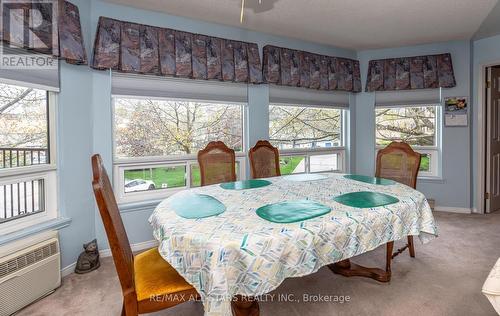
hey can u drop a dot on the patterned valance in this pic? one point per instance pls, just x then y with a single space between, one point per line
288 67
71 45
409 73
66 43
137 48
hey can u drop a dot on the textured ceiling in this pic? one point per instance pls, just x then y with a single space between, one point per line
354 24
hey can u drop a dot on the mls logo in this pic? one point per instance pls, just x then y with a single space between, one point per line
29 34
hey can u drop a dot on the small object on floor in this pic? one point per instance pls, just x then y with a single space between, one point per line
491 287
88 260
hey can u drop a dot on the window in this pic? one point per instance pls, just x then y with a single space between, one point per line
157 141
419 126
310 139
27 167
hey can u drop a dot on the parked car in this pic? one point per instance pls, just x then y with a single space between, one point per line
139 185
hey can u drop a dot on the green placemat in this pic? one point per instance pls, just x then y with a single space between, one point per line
365 199
292 211
305 177
369 179
245 184
196 206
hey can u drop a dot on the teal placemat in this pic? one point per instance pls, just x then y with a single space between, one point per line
369 179
365 199
292 211
196 206
245 184
305 177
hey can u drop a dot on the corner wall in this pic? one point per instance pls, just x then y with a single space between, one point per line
74 145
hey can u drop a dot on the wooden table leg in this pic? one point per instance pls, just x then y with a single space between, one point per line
349 269
243 306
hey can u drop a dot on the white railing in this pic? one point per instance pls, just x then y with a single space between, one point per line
27 196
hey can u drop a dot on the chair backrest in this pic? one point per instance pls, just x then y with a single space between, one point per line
217 163
111 218
264 160
398 162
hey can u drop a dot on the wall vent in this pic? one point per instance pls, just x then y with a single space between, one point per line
30 269
27 259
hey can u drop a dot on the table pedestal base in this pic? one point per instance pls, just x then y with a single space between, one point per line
348 269
243 306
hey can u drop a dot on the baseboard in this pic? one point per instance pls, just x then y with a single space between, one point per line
135 247
68 270
107 253
451 209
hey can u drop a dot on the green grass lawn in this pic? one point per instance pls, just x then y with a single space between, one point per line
424 163
288 164
174 177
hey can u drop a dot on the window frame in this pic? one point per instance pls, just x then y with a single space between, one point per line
435 151
342 165
47 172
122 164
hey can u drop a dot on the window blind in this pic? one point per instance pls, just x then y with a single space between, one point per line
308 97
46 79
408 97
177 88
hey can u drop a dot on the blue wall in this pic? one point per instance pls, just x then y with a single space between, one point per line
84 122
74 133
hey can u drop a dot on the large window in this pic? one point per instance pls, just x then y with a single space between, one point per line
418 126
310 139
156 142
27 167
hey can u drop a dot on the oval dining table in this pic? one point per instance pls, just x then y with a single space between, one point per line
240 254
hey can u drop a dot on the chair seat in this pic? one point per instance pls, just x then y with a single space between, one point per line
156 278
491 287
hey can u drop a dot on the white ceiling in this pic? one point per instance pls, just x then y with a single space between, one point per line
354 24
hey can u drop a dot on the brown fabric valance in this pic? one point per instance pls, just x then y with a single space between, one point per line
288 67
409 73
66 43
71 45
137 48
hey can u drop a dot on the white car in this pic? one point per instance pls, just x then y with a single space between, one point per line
139 185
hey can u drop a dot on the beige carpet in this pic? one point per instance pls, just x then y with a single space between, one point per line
445 278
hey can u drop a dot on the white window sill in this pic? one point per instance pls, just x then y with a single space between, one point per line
430 179
147 205
51 224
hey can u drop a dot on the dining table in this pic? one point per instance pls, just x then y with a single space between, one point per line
241 240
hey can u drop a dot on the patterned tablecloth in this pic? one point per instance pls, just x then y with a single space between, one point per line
237 252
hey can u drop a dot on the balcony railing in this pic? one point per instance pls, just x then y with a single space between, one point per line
21 199
21 157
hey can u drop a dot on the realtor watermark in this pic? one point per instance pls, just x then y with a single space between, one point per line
270 297
29 34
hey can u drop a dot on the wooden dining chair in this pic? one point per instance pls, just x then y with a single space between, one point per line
217 163
148 282
399 162
264 160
